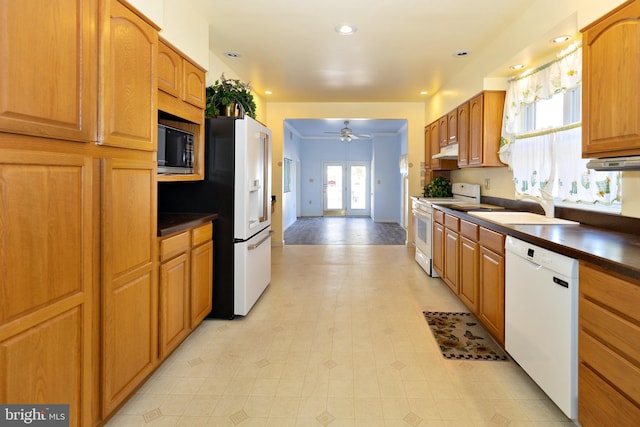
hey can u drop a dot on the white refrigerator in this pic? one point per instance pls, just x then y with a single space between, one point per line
237 187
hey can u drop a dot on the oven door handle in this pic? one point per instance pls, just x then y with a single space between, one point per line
255 245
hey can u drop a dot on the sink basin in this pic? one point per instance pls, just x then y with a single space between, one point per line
502 217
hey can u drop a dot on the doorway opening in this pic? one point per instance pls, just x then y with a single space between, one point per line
347 189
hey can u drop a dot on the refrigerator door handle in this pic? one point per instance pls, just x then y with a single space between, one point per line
266 164
255 245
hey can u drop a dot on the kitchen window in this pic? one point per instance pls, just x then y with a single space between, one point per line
542 139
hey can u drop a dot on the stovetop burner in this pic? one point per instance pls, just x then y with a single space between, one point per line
473 207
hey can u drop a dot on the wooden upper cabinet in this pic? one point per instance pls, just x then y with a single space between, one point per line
194 86
611 83
485 127
432 146
443 131
463 134
181 78
427 146
435 144
48 84
129 48
169 70
452 127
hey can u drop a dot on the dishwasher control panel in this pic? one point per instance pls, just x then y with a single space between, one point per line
552 260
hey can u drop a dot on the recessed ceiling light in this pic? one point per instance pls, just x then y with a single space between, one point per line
517 66
345 29
232 55
424 92
461 53
560 39
268 92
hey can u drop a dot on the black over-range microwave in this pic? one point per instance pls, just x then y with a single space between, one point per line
175 150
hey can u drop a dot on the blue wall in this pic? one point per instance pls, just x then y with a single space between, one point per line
387 181
289 200
313 154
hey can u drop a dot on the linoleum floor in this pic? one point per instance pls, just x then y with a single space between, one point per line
337 339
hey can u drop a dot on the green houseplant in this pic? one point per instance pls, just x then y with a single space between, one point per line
225 94
438 187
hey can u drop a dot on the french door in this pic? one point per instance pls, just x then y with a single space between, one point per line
347 189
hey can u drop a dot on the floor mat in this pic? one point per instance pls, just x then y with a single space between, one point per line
461 336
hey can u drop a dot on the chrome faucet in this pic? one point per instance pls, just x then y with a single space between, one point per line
546 201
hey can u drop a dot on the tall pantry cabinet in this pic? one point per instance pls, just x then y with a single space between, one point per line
129 322
78 254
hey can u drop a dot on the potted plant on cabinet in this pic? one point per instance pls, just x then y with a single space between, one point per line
438 187
230 97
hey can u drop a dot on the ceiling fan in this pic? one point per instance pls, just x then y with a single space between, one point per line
346 134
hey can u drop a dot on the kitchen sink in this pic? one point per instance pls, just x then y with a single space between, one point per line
510 217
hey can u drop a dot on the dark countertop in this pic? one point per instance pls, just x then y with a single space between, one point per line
616 251
171 223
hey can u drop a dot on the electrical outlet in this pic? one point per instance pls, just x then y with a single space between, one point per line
486 183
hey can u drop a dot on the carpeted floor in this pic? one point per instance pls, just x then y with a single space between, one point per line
343 231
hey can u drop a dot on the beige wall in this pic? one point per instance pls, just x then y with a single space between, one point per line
182 26
217 67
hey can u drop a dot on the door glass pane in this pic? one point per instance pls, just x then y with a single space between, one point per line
358 187
334 187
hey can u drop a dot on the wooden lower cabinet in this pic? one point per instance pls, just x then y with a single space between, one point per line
451 253
186 274
46 280
470 260
174 302
469 273
201 282
491 284
129 314
608 348
438 239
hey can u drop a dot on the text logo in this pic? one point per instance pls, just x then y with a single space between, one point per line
34 415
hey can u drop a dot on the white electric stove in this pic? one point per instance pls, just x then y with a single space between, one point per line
463 194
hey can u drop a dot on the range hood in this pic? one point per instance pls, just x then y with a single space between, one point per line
615 164
448 152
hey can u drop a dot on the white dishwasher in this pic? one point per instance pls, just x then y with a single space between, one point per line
541 319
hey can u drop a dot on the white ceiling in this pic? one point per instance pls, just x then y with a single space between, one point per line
401 47
330 128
